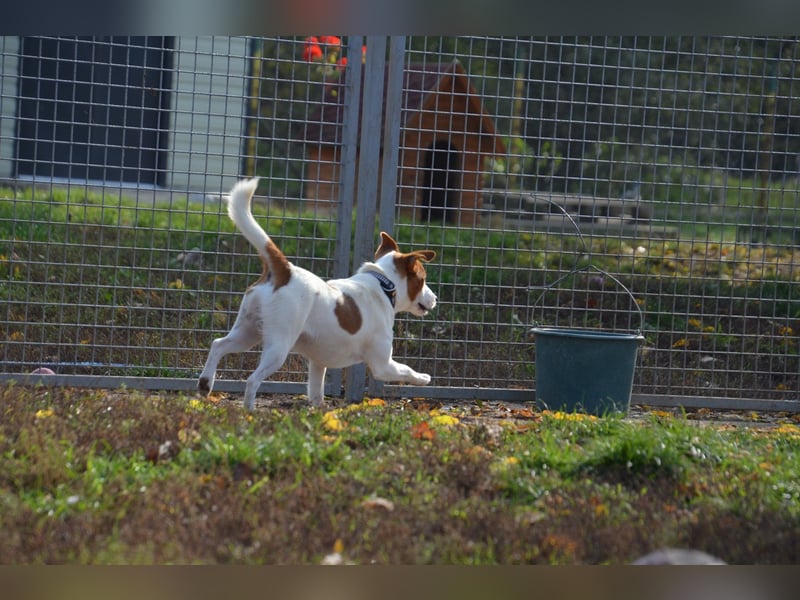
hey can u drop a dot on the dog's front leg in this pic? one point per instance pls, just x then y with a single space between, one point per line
392 370
316 383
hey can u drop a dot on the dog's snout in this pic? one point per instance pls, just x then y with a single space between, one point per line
427 300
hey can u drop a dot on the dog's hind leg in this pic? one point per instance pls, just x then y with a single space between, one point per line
316 382
239 339
272 357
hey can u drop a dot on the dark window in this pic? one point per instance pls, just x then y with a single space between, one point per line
94 108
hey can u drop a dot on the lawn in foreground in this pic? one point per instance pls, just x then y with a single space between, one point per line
90 476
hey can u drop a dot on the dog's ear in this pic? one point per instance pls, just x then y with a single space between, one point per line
387 245
424 255
412 262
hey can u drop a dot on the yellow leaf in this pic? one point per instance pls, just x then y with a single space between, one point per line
16 336
44 413
601 510
788 429
445 420
338 546
331 422
177 284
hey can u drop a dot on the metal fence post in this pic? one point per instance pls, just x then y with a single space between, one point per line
367 184
347 187
391 149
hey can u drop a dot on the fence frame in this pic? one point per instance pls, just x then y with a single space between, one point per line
362 179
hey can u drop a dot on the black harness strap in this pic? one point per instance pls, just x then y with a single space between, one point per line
386 285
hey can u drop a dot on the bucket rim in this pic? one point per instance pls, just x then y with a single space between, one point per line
586 333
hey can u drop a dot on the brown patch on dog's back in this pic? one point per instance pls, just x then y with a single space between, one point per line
348 314
264 272
279 269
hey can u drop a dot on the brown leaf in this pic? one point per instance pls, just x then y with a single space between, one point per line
525 413
422 431
424 405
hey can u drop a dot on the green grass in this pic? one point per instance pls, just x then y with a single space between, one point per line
109 477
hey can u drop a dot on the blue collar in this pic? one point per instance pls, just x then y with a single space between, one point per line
386 285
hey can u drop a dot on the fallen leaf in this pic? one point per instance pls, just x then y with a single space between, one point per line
422 431
331 421
445 420
378 502
479 452
44 413
525 413
423 405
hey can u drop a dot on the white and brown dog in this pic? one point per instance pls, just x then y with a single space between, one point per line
334 324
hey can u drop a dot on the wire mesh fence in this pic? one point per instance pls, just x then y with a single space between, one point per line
670 162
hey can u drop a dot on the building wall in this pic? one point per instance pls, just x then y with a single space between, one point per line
9 69
208 113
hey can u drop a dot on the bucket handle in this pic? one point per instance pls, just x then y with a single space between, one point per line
577 270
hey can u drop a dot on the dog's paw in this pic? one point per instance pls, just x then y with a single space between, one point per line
204 385
424 379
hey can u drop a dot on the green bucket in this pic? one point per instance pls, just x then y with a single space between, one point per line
585 370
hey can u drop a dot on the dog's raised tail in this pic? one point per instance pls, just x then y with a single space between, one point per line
241 214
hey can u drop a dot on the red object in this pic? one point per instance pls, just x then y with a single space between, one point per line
312 51
330 40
